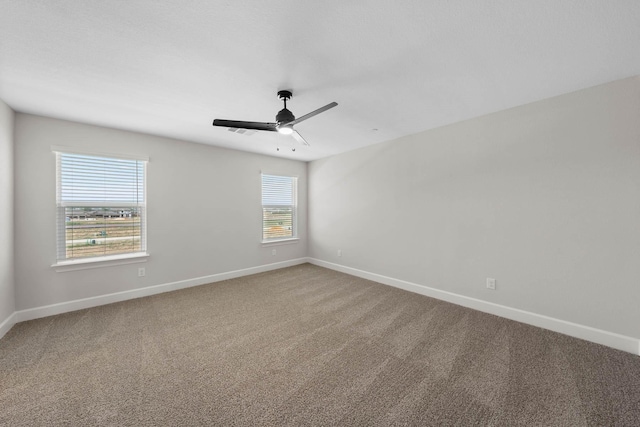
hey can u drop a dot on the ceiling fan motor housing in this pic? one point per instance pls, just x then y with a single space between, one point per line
284 116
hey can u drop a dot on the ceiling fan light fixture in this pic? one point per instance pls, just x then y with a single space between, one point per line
285 129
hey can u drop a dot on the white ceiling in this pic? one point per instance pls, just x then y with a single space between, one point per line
394 67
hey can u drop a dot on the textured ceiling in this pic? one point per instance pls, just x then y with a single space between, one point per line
395 68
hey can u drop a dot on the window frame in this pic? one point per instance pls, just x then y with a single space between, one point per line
81 263
294 238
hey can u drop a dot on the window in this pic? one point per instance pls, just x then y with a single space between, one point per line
101 206
278 207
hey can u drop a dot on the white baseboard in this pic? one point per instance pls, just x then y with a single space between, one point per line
610 339
7 324
65 307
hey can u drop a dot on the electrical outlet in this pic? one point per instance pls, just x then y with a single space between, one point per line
141 272
491 283
339 252
273 252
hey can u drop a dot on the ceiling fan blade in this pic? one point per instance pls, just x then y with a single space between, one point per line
271 127
296 135
313 113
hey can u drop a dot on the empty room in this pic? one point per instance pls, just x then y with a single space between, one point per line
287 213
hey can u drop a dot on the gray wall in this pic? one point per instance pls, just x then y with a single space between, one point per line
204 212
544 197
7 300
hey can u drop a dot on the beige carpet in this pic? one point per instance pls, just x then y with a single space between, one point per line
306 346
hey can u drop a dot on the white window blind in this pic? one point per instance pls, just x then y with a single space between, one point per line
278 207
101 206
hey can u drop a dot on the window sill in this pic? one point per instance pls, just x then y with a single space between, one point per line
280 242
106 261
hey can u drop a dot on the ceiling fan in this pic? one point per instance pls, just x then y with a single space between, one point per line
284 120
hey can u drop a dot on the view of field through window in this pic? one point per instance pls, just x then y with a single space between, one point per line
277 222
91 232
278 207
100 205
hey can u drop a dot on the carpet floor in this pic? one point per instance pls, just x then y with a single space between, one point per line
306 346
